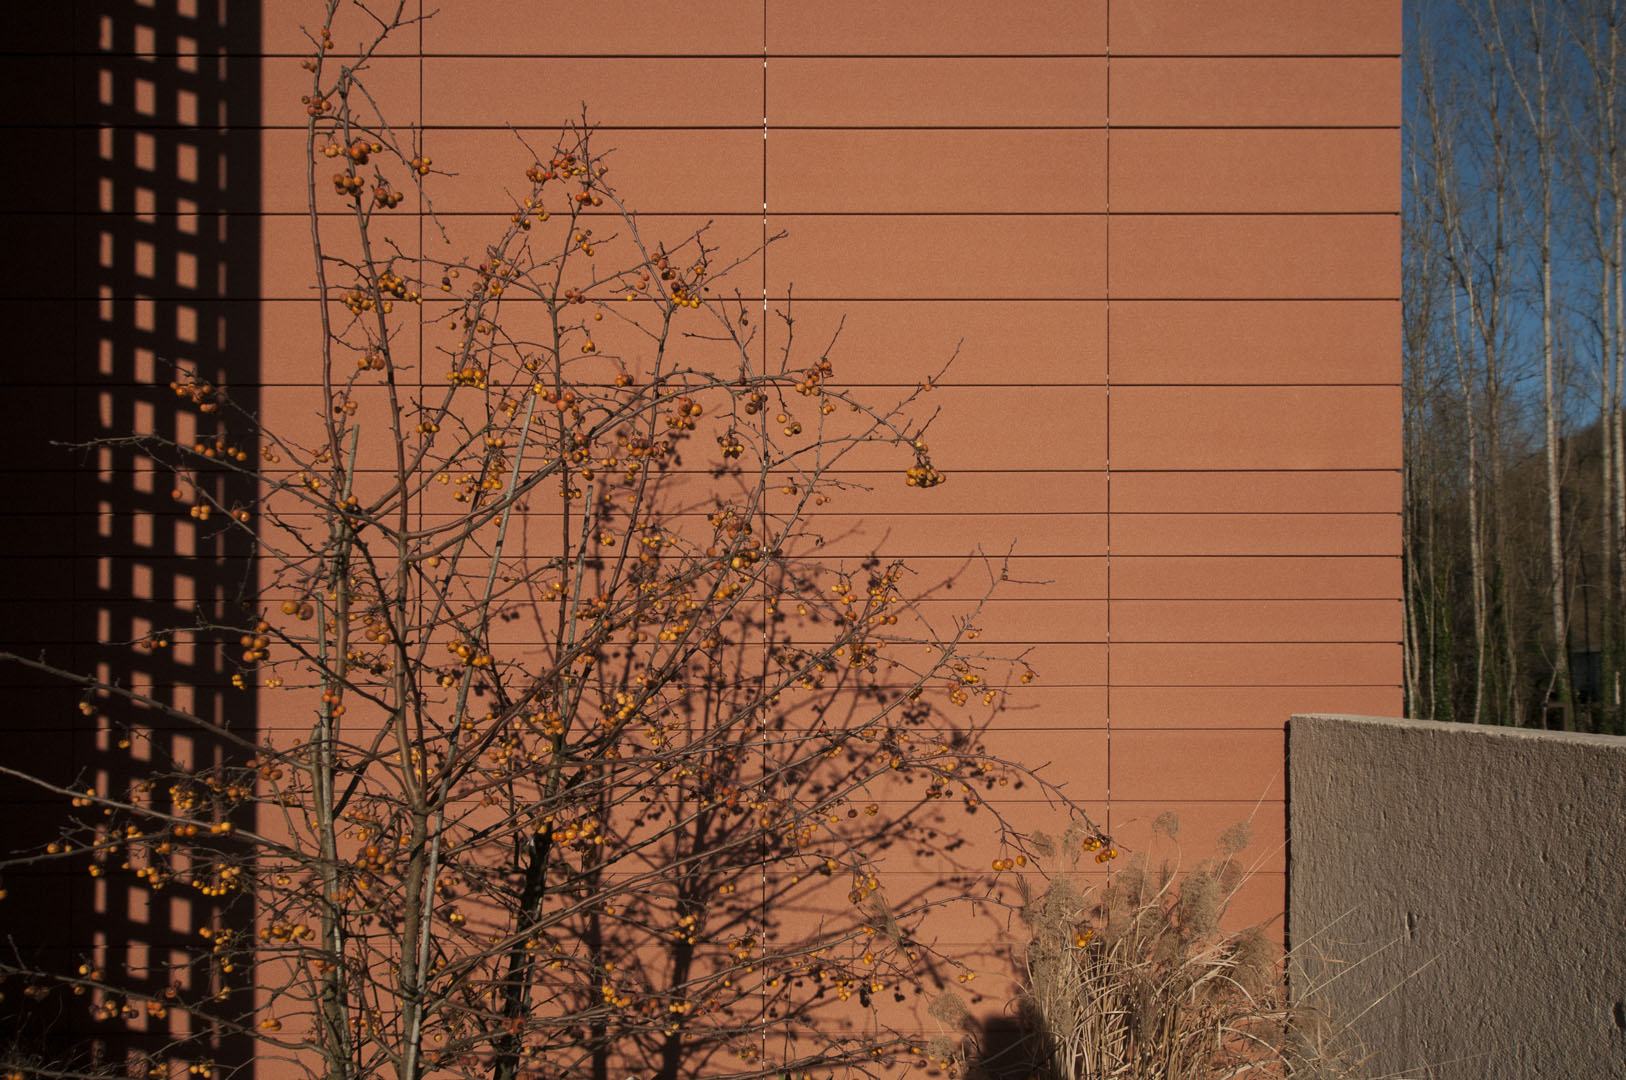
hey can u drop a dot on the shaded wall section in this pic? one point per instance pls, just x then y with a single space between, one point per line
1460 891
134 251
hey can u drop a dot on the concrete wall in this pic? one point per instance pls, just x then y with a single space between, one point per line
1472 882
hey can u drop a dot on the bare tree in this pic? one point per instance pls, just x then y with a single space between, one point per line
1531 73
1598 166
1515 194
602 764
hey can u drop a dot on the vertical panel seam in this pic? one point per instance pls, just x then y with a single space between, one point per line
423 323
1106 259
762 328
76 339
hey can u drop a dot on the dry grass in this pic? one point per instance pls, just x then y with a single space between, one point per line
1138 978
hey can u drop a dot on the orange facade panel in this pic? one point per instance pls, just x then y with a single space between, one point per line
393 80
1045 706
618 91
1013 492
1372 492
1208 341
1244 92
937 171
1198 664
1255 577
1065 432
1226 171
657 171
895 92
1255 257
1254 28
953 28
1244 706
846 536
295 32
1256 534
1271 620
998 342
1222 765
928 257
1254 427
612 28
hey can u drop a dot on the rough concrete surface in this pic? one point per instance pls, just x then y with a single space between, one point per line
1460 891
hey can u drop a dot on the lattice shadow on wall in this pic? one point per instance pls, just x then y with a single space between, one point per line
135 247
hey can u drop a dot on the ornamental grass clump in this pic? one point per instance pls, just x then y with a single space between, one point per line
1139 977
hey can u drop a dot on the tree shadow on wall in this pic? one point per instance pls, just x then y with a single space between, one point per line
131 218
1008 1048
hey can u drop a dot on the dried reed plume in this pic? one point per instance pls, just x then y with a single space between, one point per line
1138 978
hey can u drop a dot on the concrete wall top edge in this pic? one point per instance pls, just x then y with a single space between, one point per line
1490 731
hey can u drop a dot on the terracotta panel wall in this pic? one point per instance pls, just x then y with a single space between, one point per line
1163 235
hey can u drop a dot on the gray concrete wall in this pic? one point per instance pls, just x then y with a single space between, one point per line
1462 890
